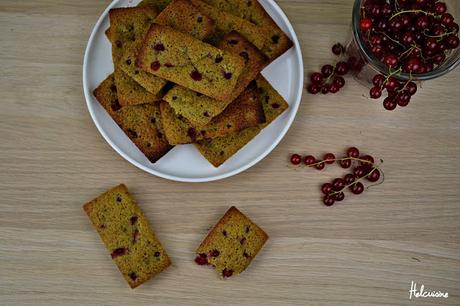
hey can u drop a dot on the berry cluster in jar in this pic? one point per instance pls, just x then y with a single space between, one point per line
410 36
406 36
363 169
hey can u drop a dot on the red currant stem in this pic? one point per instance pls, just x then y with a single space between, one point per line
407 83
374 168
340 159
411 11
407 52
329 77
390 75
438 36
391 38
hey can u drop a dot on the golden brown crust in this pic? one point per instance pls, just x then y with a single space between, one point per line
183 16
141 123
232 243
127 235
219 150
227 22
244 112
277 42
255 59
189 62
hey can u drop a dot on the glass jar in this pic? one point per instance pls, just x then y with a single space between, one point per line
364 65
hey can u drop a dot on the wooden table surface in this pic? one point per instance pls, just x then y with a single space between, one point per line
365 251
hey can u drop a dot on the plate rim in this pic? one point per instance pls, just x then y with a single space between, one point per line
256 160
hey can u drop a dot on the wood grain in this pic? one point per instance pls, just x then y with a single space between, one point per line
365 251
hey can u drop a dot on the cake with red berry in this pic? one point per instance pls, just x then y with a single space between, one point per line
200 109
127 235
277 41
141 123
220 149
183 16
187 61
226 22
232 244
128 27
244 112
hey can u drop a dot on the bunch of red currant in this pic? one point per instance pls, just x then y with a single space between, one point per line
330 79
407 36
411 36
364 168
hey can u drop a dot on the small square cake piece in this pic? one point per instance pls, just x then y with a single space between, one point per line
232 244
127 236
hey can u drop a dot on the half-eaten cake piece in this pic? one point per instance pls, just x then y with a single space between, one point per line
127 236
232 244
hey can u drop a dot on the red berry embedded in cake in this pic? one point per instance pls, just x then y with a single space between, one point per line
232 244
196 75
155 65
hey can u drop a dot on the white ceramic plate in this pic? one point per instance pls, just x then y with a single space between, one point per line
185 163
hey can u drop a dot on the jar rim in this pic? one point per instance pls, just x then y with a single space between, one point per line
445 68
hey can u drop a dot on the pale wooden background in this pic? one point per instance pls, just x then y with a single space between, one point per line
365 251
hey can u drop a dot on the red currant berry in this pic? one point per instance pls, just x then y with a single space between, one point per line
345 163
338 184
374 176
316 78
327 70
339 197
422 22
440 8
408 38
353 152
314 89
320 166
390 60
391 84
411 88
327 188
403 99
365 24
447 19
338 49
334 88
329 158
309 160
325 90
378 80
367 159
452 41
341 68
328 200
357 188
349 178
296 159
375 92
431 44
412 65
339 81
359 171
389 104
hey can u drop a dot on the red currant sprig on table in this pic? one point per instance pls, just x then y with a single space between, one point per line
330 79
399 93
364 169
411 36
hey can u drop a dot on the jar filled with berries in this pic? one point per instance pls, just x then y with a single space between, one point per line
398 43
